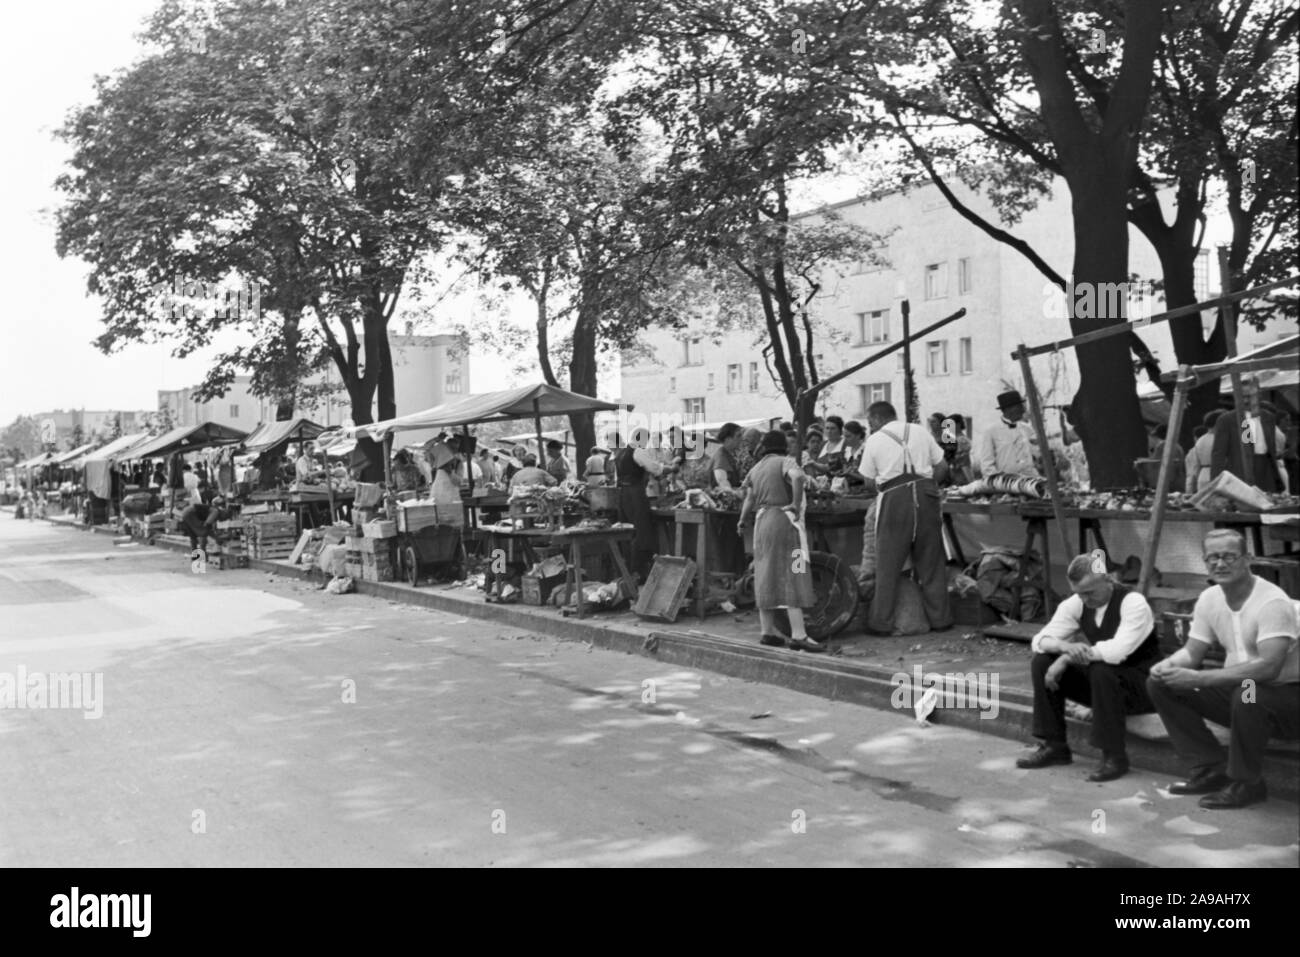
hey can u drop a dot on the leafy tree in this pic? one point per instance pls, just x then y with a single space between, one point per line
744 125
22 436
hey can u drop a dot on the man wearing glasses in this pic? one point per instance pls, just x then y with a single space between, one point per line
1257 691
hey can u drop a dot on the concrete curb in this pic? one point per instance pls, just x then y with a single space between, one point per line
833 678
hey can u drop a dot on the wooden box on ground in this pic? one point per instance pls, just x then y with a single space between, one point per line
970 610
412 518
377 567
664 592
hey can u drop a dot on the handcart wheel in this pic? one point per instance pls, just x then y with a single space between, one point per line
836 593
411 565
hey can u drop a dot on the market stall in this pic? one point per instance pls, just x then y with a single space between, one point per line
535 513
98 471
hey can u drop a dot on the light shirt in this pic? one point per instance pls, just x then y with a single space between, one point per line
192 487
829 448
1003 449
647 460
304 467
1135 624
532 475
1268 614
882 457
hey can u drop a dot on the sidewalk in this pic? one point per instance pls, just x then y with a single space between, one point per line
860 669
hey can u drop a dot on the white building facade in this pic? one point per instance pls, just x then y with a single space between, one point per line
940 263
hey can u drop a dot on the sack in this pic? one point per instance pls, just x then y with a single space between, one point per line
909 611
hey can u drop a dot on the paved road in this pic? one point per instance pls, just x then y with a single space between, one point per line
254 721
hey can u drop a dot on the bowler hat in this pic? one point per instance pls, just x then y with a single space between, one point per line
1009 399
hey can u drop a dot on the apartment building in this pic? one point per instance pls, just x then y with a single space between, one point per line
938 262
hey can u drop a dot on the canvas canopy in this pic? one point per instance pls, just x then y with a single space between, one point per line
270 434
66 458
98 465
36 461
522 403
188 438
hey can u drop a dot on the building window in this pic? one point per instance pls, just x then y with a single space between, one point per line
753 377
936 281
672 383
733 377
873 326
452 383
963 275
234 411
1201 275
936 358
873 392
693 407
710 380
966 357
693 352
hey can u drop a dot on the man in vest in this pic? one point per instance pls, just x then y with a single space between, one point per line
902 462
1107 633
1257 691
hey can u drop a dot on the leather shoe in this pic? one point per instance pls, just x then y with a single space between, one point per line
1111 767
1237 794
772 641
1045 756
1205 781
807 644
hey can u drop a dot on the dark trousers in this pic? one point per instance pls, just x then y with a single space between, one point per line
1112 691
909 524
197 529
1274 713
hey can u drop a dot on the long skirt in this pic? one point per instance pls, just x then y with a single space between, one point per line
782 577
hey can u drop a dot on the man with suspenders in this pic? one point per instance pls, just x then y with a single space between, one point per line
902 463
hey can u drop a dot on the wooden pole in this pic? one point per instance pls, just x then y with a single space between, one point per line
537 421
1228 315
1162 483
910 411
1049 468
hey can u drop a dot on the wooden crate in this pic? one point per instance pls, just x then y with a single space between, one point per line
664 592
376 546
412 518
380 528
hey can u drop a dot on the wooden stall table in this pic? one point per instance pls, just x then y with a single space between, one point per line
310 503
580 538
523 541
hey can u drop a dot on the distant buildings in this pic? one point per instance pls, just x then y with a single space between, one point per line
427 371
79 426
940 262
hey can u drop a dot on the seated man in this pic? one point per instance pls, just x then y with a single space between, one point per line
1108 668
1257 691
530 474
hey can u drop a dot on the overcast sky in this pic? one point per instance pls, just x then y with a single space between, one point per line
50 53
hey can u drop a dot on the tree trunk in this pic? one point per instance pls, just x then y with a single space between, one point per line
583 380
1111 418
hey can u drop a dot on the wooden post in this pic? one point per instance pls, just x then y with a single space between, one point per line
1162 483
541 449
1227 312
388 461
1049 465
910 412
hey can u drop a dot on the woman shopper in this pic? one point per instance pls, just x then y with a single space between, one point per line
634 465
774 494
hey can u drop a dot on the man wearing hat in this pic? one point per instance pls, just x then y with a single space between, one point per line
597 466
1003 448
1097 650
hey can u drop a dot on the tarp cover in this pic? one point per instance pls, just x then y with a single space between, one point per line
490 407
36 461
98 465
270 434
64 458
189 438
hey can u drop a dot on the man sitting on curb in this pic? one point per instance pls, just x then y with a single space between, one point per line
1257 691
1108 668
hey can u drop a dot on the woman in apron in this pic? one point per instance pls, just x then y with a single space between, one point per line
774 493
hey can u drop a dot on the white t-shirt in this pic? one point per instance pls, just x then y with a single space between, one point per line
882 457
1268 614
191 482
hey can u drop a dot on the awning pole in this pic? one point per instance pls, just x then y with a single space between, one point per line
1162 483
537 420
